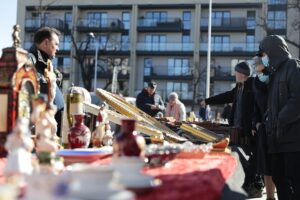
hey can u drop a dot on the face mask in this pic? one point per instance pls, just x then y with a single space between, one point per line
263 78
265 61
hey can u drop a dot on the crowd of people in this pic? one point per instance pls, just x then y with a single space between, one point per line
262 111
264 115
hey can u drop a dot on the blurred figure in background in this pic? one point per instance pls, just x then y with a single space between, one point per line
149 101
226 112
175 108
204 111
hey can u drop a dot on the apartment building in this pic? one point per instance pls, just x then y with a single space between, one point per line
160 40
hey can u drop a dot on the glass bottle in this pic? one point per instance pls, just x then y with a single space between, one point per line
127 143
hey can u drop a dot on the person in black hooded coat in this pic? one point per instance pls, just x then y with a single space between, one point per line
283 115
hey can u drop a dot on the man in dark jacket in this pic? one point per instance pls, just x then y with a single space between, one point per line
241 97
46 41
149 101
283 116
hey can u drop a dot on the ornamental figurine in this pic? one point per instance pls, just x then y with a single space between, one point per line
19 146
45 130
15 36
102 136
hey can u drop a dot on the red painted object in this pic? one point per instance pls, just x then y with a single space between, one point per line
79 135
126 142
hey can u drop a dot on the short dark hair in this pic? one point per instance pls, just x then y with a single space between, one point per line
152 84
45 33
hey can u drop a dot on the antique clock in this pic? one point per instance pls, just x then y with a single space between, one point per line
18 82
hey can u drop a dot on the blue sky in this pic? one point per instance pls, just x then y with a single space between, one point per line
8 16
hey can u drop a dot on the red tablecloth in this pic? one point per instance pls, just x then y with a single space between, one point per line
190 178
185 178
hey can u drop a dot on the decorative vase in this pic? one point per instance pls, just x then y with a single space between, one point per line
127 143
79 135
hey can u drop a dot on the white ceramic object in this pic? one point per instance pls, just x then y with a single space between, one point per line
128 165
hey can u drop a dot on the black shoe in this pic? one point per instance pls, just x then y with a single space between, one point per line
253 192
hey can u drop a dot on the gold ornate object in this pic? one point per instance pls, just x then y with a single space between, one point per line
131 111
117 117
201 133
16 37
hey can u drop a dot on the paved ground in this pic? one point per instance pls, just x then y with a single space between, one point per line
264 197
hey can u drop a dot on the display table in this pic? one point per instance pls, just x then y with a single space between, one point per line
204 179
216 176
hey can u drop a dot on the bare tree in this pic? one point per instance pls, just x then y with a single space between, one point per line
197 77
41 8
106 61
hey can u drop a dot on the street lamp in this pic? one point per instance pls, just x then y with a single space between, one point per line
96 42
208 51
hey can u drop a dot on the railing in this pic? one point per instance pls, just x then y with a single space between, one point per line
157 22
63 46
183 71
224 22
107 46
231 47
142 46
37 23
104 23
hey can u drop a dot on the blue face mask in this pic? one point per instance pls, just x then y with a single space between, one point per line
263 78
265 60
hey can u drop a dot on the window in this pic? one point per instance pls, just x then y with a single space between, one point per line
155 42
250 43
251 23
182 89
66 43
272 2
68 20
97 19
186 20
277 19
220 18
126 20
147 66
178 66
152 18
220 42
124 42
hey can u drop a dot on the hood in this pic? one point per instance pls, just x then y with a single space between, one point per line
276 49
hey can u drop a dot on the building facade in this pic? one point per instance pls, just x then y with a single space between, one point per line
160 40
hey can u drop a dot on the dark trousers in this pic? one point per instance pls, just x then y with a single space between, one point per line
286 175
247 154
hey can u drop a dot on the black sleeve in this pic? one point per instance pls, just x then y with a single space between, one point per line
290 112
226 97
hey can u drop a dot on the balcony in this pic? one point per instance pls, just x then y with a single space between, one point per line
230 49
224 24
145 48
33 24
163 25
183 74
113 48
63 46
108 75
223 74
95 25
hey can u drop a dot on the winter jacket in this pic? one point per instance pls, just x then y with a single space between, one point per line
39 59
247 105
144 102
260 92
283 117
